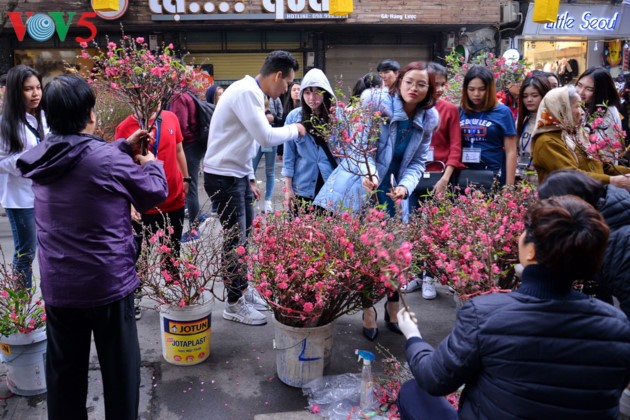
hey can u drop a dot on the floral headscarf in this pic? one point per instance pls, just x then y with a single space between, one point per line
554 114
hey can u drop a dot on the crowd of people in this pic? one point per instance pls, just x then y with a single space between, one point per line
544 349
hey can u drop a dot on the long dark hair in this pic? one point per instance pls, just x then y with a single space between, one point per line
14 113
367 81
605 90
539 83
486 76
288 104
429 100
307 112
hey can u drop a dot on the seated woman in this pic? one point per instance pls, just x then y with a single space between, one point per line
558 141
544 351
614 205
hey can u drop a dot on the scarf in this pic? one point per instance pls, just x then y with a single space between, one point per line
554 114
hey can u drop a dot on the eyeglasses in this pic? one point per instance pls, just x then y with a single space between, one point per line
419 85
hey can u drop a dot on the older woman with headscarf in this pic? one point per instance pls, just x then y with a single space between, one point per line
559 140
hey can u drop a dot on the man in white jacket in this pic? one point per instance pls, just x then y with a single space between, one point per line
238 126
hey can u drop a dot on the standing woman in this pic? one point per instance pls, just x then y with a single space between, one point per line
557 142
401 154
22 127
597 90
488 131
533 90
308 160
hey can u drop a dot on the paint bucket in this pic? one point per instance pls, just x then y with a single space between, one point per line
302 353
25 358
186 333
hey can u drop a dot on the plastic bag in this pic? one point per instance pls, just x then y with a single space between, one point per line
337 397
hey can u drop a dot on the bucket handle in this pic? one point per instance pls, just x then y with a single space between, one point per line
301 357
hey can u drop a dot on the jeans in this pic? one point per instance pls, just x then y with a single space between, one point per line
156 221
270 169
69 332
22 223
414 403
234 198
194 154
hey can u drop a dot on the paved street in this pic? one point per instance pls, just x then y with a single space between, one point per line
238 381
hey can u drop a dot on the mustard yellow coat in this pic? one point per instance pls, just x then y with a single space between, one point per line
551 153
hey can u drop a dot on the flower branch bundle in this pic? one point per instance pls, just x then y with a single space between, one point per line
353 130
470 240
505 73
316 267
143 79
21 309
180 280
605 137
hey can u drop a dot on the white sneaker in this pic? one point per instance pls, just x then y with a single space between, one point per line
428 288
253 299
243 313
412 285
268 206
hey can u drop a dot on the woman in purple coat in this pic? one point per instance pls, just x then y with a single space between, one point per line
84 189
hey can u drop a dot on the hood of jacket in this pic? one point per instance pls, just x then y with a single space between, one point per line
615 207
316 78
53 158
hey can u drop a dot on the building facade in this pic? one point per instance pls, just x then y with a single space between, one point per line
232 38
594 34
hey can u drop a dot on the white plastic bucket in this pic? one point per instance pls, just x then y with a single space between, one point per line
302 353
186 333
25 358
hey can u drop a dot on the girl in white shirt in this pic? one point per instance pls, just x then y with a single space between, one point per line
22 127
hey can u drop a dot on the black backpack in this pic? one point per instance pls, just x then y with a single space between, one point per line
204 116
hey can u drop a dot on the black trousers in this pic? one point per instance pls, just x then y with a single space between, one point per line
69 332
234 198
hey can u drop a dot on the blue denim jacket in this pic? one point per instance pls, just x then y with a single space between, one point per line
343 189
303 159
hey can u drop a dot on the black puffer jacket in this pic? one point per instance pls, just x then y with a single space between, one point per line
615 274
538 353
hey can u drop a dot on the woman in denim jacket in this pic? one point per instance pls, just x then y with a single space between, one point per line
401 154
308 160
412 120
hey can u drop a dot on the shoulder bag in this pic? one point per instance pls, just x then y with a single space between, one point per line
429 179
479 178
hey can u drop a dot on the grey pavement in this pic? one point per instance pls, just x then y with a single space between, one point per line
238 381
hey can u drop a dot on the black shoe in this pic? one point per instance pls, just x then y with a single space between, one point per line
393 326
371 333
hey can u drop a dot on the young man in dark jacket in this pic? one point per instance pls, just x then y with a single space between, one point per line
544 351
84 189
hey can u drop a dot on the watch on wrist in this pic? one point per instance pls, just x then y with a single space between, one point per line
187 179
